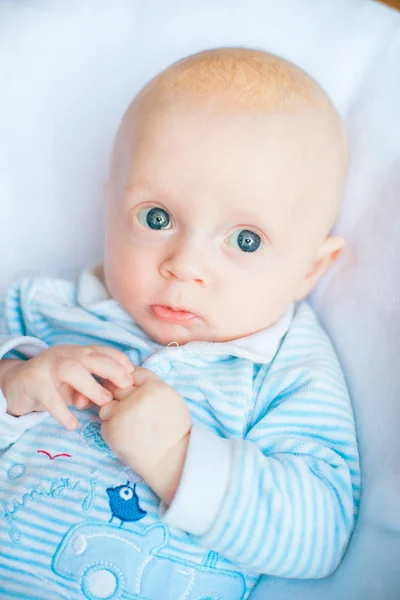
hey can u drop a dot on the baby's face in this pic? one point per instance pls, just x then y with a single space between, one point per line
208 216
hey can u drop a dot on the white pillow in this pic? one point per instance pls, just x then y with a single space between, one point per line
69 68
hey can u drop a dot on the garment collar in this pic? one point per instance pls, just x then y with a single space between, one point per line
259 347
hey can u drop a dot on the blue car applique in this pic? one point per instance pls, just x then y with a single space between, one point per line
110 562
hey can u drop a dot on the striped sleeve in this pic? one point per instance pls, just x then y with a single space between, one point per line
11 321
13 315
16 339
14 343
291 496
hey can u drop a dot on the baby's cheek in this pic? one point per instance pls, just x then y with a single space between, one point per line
124 282
250 307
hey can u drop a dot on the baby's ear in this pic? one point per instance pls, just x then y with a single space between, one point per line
327 255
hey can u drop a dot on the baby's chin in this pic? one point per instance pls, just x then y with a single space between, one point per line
173 334
169 333
178 334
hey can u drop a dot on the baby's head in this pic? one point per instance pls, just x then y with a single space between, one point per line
226 179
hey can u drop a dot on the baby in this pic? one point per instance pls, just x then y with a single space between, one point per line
225 445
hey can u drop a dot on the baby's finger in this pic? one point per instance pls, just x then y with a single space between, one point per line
67 393
81 402
109 386
117 355
143 375
106 412
105 367
56 407
76 375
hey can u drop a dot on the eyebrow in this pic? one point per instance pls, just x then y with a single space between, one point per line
145 190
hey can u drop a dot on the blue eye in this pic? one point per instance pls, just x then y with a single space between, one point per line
155 218
245 240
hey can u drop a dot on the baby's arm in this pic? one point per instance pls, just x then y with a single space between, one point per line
282 501
56 379
15 345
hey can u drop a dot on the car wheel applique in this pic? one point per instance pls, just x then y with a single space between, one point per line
102 580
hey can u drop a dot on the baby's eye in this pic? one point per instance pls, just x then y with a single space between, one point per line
155 218
245 240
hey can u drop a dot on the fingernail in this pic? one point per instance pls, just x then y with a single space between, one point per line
131 368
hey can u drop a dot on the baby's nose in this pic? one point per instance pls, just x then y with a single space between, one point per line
186 263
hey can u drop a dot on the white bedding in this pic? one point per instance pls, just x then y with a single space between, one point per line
68 68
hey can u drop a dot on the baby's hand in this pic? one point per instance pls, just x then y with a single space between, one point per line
148 427
61 376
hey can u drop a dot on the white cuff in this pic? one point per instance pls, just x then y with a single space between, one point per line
26 344
12 427
203 483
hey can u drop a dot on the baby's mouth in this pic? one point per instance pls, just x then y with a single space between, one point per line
172 315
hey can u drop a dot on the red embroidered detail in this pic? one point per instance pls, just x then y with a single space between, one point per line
55 456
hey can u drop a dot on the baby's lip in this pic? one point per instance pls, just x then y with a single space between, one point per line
170 313
175 307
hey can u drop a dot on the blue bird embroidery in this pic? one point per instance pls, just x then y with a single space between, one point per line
124 504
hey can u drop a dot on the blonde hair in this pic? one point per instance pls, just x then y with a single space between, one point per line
245 78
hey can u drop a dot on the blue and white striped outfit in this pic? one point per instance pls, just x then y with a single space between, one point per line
270 485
